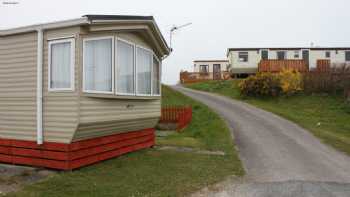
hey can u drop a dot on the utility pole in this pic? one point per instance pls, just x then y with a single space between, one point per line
174 28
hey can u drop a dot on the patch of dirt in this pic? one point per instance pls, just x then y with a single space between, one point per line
13 177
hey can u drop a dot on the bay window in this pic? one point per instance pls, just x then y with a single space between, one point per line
98 65
131 70
61 65
143 71
125 59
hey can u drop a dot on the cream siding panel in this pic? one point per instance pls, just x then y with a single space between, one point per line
132 37
253 59
100 117
60 109
98 109
110 128
18 86
27 61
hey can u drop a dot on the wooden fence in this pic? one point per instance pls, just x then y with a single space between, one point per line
279 65
323 65
180 115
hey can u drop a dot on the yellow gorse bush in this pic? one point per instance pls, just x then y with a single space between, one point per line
291 81
286 82
261 84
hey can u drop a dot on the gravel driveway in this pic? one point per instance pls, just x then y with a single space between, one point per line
280 158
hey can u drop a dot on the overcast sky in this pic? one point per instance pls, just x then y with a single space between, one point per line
217 24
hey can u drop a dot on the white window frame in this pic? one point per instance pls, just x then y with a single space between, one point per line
136 74
72 56
116 66
159 75
113 64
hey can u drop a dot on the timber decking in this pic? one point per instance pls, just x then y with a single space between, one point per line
75 155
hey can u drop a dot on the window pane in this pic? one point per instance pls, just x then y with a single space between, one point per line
144 65
125 67
264 55
281 55
243 56
296 54
98 65
60 65
347 56
204 68
156 75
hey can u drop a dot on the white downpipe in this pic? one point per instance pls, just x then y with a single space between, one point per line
39 88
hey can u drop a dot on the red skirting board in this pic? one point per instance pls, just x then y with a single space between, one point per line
75 155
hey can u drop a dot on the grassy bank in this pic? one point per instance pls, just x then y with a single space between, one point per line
154 172
326 116
206 131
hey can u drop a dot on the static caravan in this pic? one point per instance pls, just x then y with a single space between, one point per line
214 68
76 92
245 60
210 65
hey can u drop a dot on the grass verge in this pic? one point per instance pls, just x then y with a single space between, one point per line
154 172
326 116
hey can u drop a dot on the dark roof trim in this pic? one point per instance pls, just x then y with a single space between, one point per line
210 61
244 49
117 17
290 48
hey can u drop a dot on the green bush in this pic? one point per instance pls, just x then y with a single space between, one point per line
261 84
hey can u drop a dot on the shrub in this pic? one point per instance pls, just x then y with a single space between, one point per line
333 80
291 81
287 82
261 84
347 106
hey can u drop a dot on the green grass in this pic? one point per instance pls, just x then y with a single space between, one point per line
154 172
330 111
